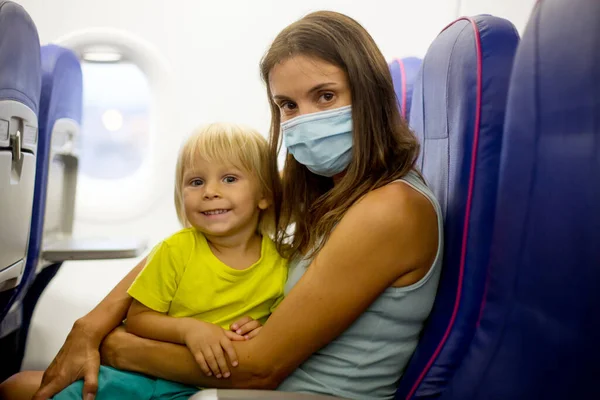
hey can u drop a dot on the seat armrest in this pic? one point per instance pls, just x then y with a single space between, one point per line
242 394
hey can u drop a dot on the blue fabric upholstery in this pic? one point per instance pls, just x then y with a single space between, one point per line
20 82
538 336
404 72
457 113
19 56
20 79
61 97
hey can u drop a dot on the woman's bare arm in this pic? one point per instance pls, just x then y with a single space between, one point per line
389 234
173 362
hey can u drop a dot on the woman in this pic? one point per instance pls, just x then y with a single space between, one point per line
366 244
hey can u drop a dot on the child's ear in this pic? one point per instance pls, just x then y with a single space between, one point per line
263 204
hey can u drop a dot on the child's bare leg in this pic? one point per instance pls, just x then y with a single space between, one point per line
21 386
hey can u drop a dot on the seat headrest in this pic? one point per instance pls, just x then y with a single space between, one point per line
19 56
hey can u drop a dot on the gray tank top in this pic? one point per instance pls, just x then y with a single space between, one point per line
368 359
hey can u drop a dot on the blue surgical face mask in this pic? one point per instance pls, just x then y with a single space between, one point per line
321 141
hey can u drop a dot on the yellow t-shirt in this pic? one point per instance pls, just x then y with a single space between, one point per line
183 278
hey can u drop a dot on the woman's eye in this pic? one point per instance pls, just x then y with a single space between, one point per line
196 182
327 97
288 106
229 179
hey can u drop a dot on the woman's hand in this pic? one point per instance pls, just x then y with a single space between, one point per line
78 358
247 327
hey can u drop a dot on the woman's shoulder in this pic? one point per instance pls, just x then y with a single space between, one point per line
399 214
397 205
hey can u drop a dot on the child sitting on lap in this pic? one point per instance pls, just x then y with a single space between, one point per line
222 267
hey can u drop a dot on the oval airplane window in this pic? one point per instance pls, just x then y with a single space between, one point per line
125 142
116 120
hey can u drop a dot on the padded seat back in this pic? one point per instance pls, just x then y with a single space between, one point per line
457 113
19 99
60 121
538 335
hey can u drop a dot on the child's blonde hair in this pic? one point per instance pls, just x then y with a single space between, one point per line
241 147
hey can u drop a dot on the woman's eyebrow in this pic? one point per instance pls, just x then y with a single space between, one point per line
321 86
311 90
280 97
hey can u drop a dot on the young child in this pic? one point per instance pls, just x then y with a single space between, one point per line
220 268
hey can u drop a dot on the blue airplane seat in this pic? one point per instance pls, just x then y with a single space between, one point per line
457 114
20 81
54 200
404 72
538 335
19 100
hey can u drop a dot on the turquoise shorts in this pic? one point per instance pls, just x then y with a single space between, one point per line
114 384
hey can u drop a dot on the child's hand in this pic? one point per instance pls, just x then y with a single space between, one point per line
247 327
209 343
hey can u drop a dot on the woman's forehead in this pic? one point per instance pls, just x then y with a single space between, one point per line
299 74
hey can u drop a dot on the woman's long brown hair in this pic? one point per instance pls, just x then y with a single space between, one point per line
383 150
